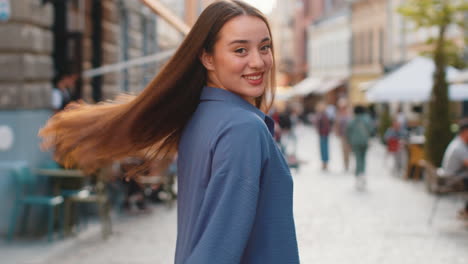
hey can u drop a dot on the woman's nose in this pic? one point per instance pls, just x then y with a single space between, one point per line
256 61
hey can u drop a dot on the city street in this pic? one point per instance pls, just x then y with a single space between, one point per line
94 83
391 222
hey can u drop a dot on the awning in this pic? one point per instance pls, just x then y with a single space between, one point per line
283 93
315 85
412 82
307 86
329 85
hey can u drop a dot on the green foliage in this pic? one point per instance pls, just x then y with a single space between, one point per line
453 53
440 14
429 13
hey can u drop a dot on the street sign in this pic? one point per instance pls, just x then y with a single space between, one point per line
5 10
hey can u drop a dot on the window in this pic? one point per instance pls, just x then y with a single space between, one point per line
370 57
124 47
353 50
149 46
381 46
362 48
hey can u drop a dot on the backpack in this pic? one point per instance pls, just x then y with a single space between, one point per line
360 132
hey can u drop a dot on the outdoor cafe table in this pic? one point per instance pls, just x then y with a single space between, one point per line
59 176
84 195
62 173
415 150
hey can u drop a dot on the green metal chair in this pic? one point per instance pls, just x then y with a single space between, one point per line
24 181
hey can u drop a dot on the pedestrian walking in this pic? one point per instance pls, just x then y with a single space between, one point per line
330 109
62 91
288 122
285 124
343 118
401 119
323 124
395 138
359 132
208 102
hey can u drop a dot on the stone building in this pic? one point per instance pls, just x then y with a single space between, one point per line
44 40
26 72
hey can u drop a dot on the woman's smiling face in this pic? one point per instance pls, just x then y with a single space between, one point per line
241 60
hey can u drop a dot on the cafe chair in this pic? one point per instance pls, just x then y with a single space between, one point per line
414 168
24 181
438 181
95 195
101 200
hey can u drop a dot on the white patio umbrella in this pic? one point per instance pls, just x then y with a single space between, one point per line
412 82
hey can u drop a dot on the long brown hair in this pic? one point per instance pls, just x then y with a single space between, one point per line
150 125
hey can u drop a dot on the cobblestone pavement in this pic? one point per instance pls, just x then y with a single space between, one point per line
390 222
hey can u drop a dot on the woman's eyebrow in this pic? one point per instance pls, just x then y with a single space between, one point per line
265 40
243 41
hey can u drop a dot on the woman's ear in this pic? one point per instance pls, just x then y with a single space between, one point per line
207 60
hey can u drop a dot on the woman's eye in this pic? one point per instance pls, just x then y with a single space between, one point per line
240 50
265 48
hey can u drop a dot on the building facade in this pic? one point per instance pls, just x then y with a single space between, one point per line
369 45
282 26
329 46
25 85
47 40
306 11
329 40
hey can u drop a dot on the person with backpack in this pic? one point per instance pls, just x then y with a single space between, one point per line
358 133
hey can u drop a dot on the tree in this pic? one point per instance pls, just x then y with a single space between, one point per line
385 122
439 14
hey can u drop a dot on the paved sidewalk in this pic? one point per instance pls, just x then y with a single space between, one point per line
137 238
389 223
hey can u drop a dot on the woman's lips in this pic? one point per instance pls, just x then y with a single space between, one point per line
254 78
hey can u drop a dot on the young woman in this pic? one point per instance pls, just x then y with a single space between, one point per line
208 102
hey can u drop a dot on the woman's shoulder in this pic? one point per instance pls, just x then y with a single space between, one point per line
242 129
231 113
241 119
222 119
